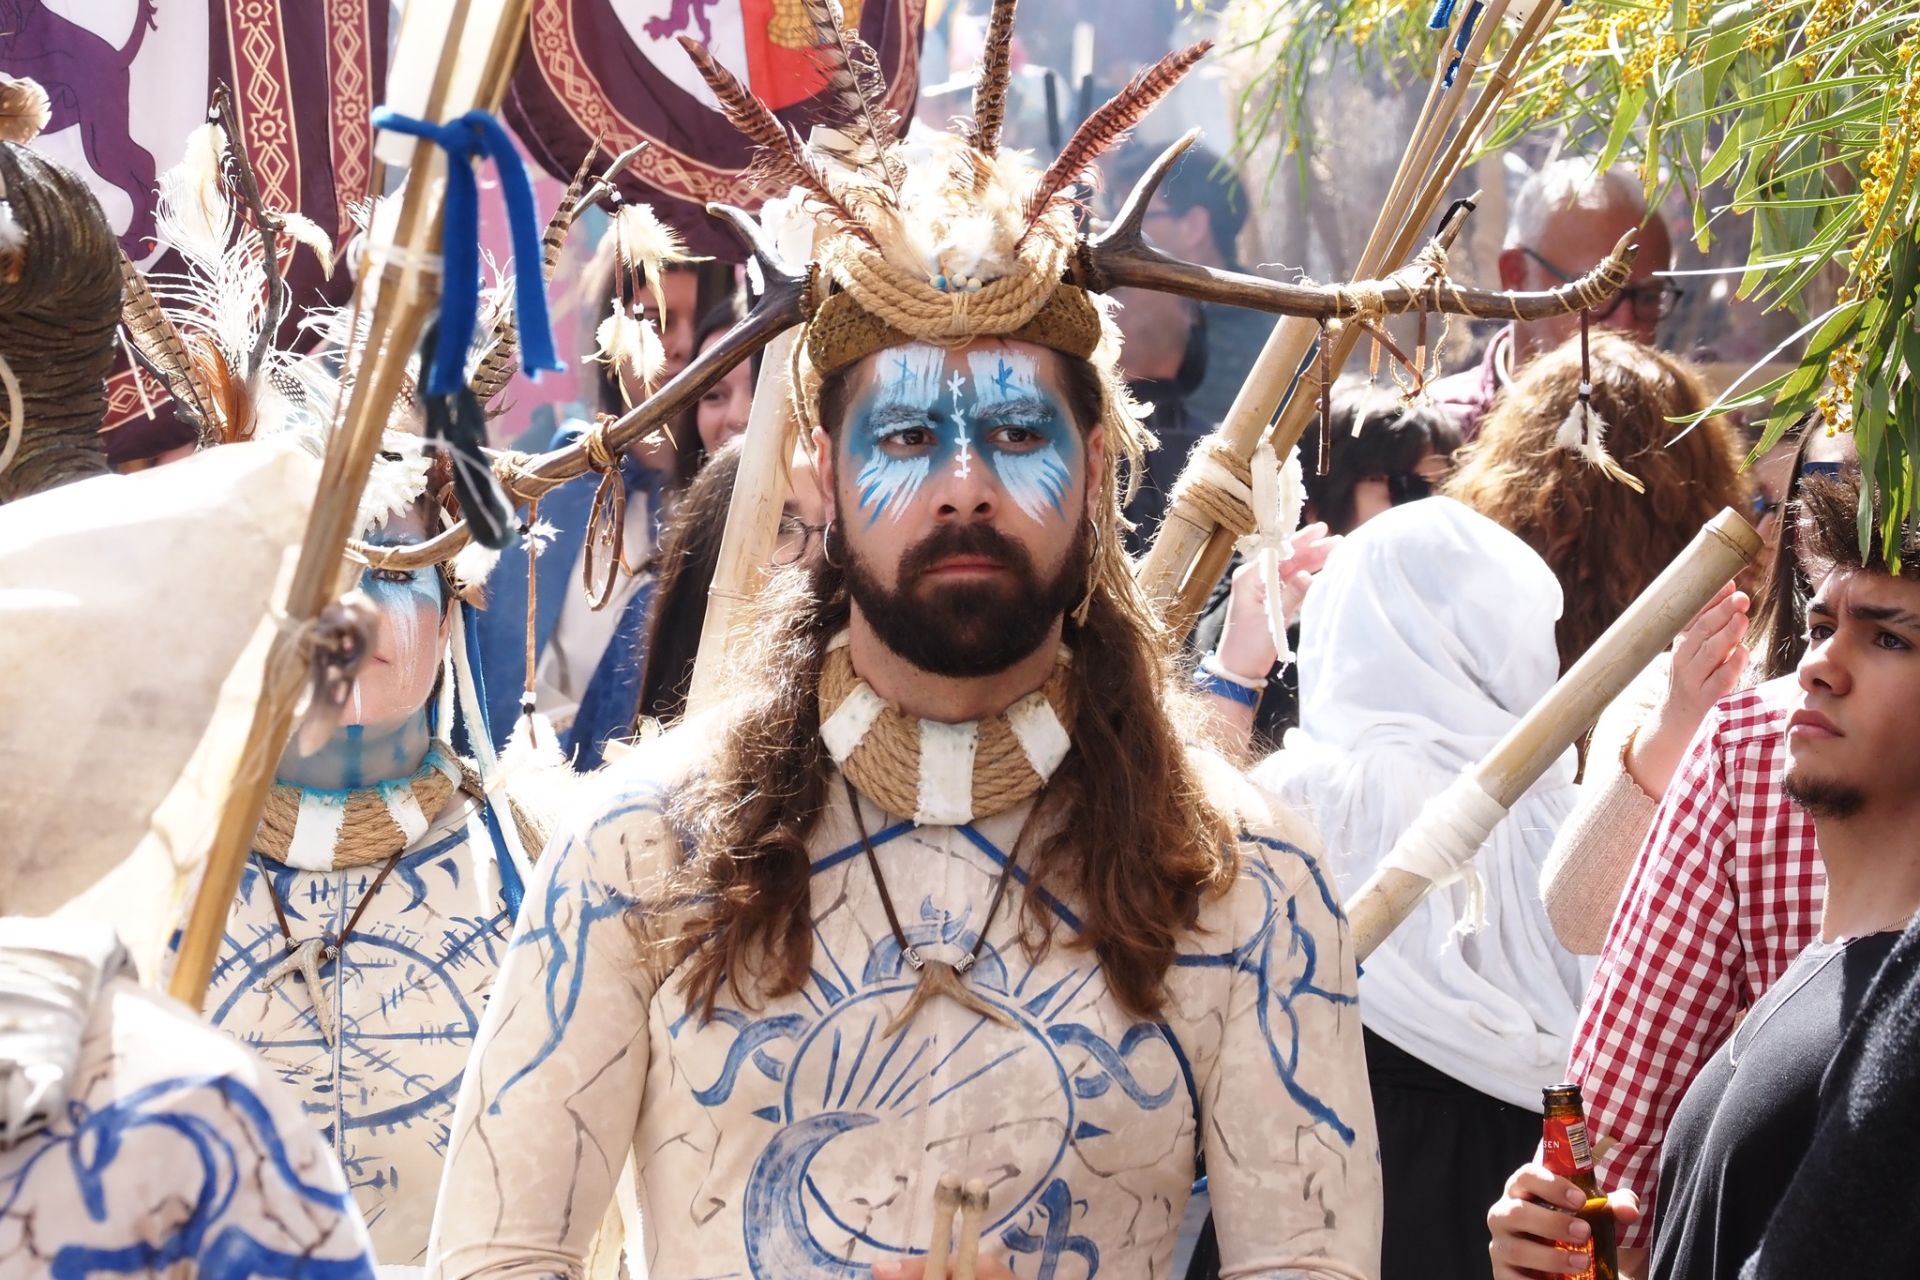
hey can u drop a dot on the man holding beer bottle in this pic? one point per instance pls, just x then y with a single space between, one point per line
1748 1118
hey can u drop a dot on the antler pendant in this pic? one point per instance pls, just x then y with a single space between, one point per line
938 978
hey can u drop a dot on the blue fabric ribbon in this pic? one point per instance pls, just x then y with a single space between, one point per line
467 138
1442 15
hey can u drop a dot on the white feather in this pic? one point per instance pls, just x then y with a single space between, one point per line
304 230
13 237
630 342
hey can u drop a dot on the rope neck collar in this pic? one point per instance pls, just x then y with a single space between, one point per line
942 774
315 830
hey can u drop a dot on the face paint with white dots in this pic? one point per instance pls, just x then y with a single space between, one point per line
911 423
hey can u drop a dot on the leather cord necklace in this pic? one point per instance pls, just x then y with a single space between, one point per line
308 958
937 977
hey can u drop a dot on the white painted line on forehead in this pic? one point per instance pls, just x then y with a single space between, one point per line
910 375
1000 375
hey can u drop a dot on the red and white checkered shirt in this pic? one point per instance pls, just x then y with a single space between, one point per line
1725 894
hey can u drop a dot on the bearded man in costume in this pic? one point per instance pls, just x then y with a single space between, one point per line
943 889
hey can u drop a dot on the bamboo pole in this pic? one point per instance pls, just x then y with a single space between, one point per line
1722 547
405 289
1191 552
753 520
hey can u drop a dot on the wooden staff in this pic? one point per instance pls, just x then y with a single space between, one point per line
1721 549
946 1203
1191 552
475 42
973 1218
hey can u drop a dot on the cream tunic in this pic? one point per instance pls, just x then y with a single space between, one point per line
177 1156
799 1140
407 995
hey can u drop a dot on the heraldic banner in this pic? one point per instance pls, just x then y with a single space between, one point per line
613 72
130 79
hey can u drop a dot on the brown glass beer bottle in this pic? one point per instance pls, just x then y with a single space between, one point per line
1568 1154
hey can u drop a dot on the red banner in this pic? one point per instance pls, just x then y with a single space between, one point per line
612 72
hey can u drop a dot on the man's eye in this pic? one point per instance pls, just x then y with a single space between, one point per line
907 438
1888 640
1819 631
1017 437
393 575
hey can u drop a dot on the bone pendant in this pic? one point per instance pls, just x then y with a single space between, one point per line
938 978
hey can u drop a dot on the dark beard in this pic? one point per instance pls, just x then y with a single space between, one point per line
966 629
1823 799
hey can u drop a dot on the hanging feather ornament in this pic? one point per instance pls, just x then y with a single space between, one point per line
1584 431
630 344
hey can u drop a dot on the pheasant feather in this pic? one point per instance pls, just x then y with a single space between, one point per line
857 89
781 159
155 338
1105 128
996 70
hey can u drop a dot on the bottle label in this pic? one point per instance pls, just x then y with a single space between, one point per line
1565 1145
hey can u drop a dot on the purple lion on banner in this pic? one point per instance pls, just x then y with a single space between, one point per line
89 82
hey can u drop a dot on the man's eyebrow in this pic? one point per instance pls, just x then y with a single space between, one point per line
1883 613
899 413
1017 406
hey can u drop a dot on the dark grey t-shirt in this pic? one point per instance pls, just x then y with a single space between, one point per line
1747 1118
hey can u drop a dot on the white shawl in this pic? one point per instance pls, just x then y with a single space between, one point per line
1429 633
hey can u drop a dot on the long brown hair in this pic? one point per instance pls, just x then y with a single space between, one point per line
1135 842
1603 541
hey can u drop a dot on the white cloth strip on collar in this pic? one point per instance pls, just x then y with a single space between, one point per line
1041 735
404 808
317 830
946 773
848 726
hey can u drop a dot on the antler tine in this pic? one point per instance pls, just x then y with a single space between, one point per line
747 229
1120 257
1126 225
601 187
782 305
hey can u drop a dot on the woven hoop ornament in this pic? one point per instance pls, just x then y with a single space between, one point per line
885 766
607 519
16 416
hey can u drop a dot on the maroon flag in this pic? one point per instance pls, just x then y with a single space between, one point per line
129 79
613 72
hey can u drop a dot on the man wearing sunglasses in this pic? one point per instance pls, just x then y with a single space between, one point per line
1565 219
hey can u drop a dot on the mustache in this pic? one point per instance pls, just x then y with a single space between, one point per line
981 540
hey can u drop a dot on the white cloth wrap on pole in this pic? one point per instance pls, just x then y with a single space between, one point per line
1276 497
1440 845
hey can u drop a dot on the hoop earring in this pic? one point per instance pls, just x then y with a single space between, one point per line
826 546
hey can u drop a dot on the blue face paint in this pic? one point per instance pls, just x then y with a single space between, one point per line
1025 433
912 422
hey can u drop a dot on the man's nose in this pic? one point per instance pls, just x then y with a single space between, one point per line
1823 667
963 486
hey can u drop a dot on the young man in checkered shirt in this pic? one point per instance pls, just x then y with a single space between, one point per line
1735 1141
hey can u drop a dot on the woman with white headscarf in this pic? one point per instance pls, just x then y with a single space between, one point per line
1429 633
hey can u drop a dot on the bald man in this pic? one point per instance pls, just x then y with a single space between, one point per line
1565 220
